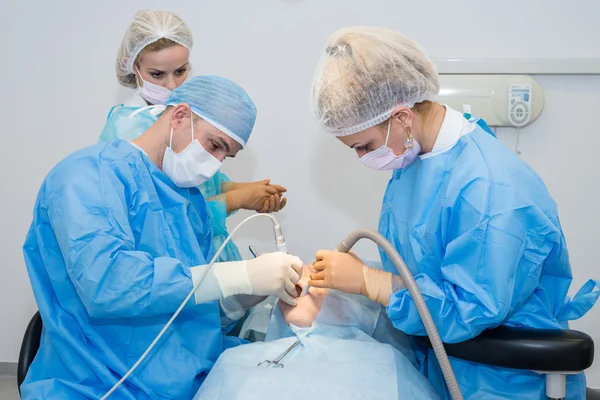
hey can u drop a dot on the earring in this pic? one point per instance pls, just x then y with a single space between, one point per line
409 142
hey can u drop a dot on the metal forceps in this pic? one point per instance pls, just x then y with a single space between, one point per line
276 362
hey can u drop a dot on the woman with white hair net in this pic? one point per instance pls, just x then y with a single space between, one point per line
120 236
154 60
475 224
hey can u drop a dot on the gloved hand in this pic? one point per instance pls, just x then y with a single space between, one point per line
268 274
340 271
347 273
258 196
273 204
275 273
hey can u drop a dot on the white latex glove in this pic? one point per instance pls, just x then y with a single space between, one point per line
269 274
275 274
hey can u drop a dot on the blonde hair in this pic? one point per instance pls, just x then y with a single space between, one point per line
149 31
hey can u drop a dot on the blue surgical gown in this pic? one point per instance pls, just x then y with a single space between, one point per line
481 235
109 255
130 122
482 124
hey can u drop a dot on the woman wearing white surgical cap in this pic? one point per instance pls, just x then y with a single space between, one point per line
154 60
475 224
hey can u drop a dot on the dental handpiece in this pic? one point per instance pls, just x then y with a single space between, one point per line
304 291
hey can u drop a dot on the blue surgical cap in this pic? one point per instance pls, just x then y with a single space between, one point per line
220 102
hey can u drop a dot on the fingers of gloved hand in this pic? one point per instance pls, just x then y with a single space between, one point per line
321 254
265 207
286 298
270 190
296 263
279 188
319 265
317 276
271 203
277 203
294 275
283 203
290 288
319 283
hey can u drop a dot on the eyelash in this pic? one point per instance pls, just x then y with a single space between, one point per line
158 75
362 148
215 145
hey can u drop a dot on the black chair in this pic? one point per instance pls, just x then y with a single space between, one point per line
29 348
553 353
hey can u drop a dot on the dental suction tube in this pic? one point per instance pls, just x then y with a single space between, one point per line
409 282
281 246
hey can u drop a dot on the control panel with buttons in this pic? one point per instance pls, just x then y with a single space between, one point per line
519 104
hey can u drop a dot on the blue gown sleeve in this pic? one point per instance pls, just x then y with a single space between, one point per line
220 179
218 208
496 243
218 212
112 278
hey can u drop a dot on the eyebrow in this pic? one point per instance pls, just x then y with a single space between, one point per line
224 144
158 70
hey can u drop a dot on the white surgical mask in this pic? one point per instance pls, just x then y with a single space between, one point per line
384 158
152 93
190 167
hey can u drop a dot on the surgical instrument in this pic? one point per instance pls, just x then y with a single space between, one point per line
253 251
276 363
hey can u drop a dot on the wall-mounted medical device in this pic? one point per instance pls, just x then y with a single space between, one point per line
501 100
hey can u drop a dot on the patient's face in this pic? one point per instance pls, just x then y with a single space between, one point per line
304 314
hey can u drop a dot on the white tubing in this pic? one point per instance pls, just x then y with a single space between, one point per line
409 281
280 242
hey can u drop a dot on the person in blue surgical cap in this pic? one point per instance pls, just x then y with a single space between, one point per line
475 225
154 60
119 237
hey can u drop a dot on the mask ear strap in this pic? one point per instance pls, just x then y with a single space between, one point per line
388 132
192 122
171 139
138 77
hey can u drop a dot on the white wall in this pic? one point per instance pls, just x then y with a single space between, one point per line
57 84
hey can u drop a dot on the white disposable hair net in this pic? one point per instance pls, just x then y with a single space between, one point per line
364 73
148 26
